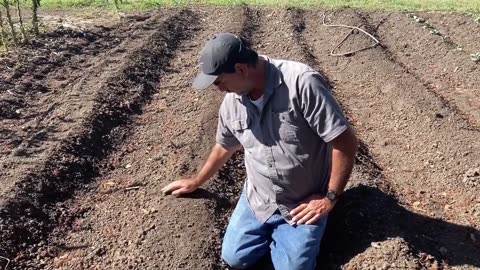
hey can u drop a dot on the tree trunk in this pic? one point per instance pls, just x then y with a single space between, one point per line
20 20
35 5
4 34
10 22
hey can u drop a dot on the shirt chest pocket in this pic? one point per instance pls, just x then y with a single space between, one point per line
285 126
242 131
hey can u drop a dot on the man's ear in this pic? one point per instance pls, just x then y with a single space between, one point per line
242 69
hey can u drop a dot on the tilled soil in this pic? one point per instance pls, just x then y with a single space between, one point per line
170 139
441 63
49 87
459 29
95 122
423 145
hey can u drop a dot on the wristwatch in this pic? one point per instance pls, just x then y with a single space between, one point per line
332 195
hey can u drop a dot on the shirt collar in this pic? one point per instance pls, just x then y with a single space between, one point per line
273 76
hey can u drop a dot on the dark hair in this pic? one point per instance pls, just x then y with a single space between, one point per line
248 56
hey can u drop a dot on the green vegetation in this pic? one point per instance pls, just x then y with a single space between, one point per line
475 57
10 34
470 6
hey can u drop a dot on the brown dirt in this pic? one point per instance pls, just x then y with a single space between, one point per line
422 144
95 121
460 29
434 59
79 18
46 94
162 148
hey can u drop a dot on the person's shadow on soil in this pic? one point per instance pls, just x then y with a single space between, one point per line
366 214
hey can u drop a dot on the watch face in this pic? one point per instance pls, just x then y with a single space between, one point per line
331 195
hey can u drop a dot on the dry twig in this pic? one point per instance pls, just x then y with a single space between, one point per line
10 22
20 21
8 262
345 38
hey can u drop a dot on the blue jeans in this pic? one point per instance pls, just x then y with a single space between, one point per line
292 247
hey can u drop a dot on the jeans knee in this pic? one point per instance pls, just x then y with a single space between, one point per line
295 263
234 259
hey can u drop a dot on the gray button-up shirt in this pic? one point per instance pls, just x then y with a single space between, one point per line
287 155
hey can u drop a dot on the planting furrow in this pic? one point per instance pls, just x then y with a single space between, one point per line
424 147
462 29
46 93
38 207
127 222
434 58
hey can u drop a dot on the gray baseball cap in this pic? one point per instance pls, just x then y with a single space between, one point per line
219 55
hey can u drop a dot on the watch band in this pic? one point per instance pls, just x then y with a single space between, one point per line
332 195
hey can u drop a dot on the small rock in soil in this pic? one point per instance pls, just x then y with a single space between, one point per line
472 177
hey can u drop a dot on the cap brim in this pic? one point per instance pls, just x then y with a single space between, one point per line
203 81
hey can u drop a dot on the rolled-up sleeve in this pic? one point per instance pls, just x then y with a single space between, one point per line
224 135
319 107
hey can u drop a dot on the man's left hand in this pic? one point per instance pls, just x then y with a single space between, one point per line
312 209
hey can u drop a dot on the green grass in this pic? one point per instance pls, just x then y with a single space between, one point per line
466 6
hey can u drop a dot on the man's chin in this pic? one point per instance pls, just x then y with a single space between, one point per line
243 93
240 93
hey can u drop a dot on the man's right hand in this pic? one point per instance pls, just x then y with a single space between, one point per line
218 157
182 186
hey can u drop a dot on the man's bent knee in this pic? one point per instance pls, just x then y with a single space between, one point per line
235 259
